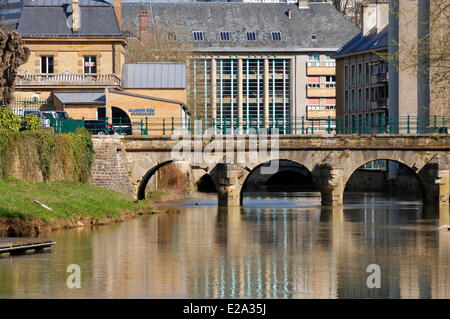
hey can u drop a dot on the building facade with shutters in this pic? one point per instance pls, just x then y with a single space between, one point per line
253 65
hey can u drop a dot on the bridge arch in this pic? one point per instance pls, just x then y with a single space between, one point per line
203 182
144 182
297 169
414 171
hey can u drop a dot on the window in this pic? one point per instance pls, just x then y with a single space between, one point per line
360 74
374 69
367 98
346 101
353 100
276 36
346 75
367 72
330 79
360 99
329 58
251 36
374 94
90 64
353 74
224 36
47 64
198 35
313 57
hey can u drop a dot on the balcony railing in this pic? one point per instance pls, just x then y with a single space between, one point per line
380 77
67 79
380 104
330 64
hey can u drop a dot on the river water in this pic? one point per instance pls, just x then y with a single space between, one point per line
279 245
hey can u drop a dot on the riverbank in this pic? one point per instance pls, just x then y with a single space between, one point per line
72 205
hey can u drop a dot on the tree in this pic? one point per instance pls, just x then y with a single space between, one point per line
351 9
166 45
13 54
426 54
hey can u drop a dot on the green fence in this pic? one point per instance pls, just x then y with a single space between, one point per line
65 126
303 126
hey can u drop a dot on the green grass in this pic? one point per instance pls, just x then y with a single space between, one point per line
66 199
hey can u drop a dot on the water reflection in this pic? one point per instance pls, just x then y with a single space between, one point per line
265 250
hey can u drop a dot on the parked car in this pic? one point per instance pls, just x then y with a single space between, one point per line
98 127
125 129
34 112
55 115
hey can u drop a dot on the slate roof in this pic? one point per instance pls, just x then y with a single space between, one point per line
49 18
372 41
154 76
93 97
321 20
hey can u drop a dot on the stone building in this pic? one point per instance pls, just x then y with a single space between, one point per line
77 63
405 77
362 75
253 65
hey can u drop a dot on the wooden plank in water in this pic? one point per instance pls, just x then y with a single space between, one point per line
20 245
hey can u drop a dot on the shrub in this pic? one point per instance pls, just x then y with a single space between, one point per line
73 151
8 120
31 123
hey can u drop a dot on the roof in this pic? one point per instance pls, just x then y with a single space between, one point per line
93 97
52 18
372 41
320 20
154 76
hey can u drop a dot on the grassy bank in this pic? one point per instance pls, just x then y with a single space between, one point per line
72 204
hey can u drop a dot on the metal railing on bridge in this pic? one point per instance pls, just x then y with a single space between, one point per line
304 126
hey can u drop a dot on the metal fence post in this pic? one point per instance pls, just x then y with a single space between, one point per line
408 125
329 125
303 124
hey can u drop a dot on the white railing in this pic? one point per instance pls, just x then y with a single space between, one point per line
321 107
67 79
321 85
329 64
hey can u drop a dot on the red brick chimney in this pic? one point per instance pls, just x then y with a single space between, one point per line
144 26
118 11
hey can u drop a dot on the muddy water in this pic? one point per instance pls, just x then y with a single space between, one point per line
279 245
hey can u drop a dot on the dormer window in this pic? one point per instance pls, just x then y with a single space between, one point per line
198 35
276 36
251 36
224 36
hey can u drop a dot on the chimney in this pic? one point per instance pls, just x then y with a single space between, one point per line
374 15
75 15
118 11
144 26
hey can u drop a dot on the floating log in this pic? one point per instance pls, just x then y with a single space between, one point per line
16 246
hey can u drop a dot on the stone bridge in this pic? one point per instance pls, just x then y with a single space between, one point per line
127 164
